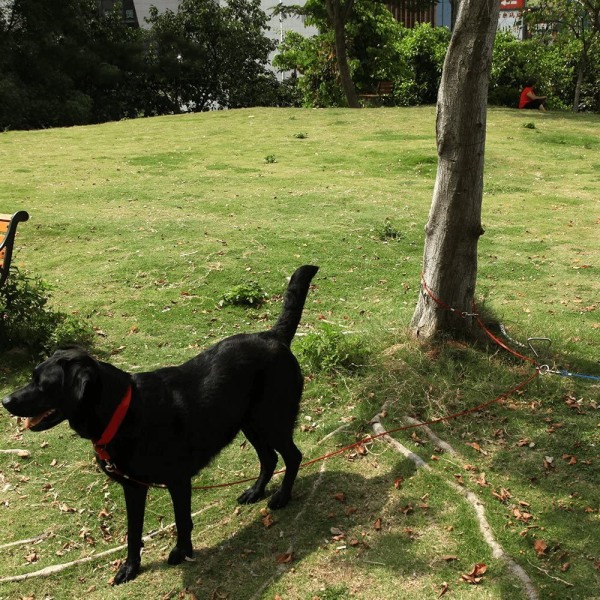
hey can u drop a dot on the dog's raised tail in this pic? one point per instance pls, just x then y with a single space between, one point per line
293 303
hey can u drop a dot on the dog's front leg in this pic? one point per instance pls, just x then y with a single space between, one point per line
135 501
181 495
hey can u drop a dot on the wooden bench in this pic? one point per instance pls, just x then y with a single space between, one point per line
384 89
8 229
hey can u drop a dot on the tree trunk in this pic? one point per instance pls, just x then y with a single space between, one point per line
454 225
338 17
578 84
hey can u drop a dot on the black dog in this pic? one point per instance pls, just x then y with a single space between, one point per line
165 425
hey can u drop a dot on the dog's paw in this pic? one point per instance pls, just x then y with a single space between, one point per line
178 555
278 500
250 496
127 572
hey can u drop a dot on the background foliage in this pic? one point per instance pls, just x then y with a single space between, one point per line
380 48
65 64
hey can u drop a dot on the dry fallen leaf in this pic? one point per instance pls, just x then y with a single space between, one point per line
340 497
503 495
444 589
449 557
268 521
361 449
476 574
285 558
477 447
377 524
540 547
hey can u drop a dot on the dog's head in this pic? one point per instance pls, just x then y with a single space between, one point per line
62 387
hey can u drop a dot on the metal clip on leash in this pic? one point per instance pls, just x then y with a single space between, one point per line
543 369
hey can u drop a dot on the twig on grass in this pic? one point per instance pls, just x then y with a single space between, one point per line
567 583
332 433
37 538
51 570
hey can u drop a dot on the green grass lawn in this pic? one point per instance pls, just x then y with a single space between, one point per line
141 227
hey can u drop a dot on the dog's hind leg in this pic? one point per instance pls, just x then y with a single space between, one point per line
135 501
292 458
268 461
181 495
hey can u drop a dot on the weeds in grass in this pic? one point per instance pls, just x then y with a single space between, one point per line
330 350
388 231
270 159
529 125
301 136
245 294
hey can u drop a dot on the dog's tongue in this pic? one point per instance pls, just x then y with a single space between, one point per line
33 421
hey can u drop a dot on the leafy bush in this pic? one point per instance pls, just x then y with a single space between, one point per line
388 231
515 61
330 350
423 50
314 59
28 323
246 294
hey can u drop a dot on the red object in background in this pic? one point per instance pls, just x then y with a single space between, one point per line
512 4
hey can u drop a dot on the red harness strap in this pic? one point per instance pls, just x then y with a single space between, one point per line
112 427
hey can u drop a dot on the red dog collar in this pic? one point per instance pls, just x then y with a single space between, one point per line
112 427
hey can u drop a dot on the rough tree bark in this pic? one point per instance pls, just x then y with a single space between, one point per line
338 15
454 225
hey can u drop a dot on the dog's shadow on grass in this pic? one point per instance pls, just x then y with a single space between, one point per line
332 512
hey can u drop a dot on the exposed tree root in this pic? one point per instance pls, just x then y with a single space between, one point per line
18 451
497 551
33 540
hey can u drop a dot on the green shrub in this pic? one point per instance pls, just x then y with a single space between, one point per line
28 323
246 294
514 62
330 350
388 231
423 50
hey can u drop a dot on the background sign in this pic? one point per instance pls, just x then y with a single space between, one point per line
512 4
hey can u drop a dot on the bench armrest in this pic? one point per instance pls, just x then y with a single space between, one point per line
7 243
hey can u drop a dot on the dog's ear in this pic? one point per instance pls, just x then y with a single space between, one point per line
82 377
